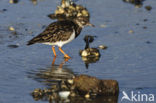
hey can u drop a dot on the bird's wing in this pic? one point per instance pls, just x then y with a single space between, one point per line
57 31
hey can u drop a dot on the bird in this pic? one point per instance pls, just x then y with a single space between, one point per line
61 32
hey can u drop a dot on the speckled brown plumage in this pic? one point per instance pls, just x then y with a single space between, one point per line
57 31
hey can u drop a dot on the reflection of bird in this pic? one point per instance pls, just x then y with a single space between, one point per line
53 75
125 96
60 33
89 60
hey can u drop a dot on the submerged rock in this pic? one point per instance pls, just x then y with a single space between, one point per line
87 84
148 8
13 46
82 86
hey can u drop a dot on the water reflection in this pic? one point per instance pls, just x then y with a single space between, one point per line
58 79
54 74
89 60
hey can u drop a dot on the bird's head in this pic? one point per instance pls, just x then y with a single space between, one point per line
83 21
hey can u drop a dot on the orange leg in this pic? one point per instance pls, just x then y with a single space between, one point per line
53 62
53 49
65 55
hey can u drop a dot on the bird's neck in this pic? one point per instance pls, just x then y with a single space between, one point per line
77 30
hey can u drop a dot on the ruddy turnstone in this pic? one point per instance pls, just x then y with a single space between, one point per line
60 33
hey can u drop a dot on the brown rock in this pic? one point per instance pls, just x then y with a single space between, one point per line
87 84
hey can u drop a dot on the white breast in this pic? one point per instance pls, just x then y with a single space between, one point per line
61 43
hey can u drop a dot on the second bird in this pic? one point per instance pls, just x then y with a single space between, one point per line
60 33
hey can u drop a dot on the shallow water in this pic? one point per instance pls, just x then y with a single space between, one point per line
129 59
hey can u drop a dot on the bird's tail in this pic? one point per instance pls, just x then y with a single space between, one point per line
33 41
30 43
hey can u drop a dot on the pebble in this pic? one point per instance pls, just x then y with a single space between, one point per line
145 20
64 94
103 47
13 46
87 96
103 26
70 81
148 8
148 42
144 27
130 31
11 28
13 1
34 2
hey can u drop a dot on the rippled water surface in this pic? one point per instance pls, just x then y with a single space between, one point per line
129 59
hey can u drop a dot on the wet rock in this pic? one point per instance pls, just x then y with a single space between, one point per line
83 86
70 81
34 2
148 8
145 20
13 46
87 96
148 42
3 10
37 94
11 28
137 3
13 1
87 84
145 27
69 10
137 24
103 47
64 94
44 26
130 31
116 32
103 25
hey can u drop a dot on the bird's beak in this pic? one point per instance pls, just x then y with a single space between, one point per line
89 24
